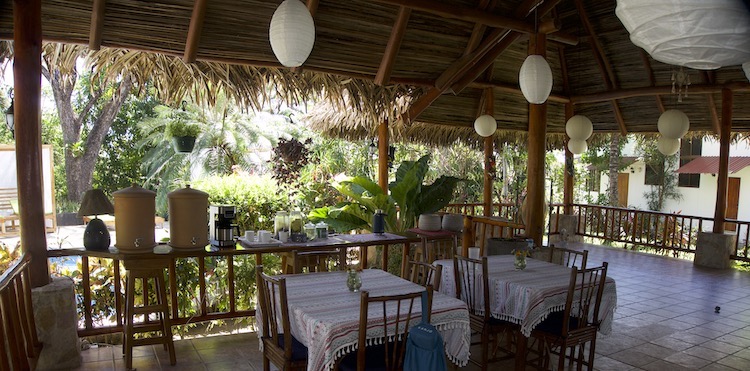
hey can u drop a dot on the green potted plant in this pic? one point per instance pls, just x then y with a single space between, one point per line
183 131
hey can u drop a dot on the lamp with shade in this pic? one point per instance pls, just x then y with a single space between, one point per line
96 236
668 146
292 33
673 124
535 79
577 146
485 125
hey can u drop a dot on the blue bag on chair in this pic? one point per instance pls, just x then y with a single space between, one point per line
424 346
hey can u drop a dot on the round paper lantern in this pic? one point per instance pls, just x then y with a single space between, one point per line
701 34
577 146
485 125
535 79
668 146
673 124
579 127
292 33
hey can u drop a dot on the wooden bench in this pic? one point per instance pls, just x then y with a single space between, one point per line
9 218
7 213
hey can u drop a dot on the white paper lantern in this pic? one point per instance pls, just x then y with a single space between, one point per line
673 124
535 79
485 125
292 33
577 146
579 127
701 34
668 146
746 68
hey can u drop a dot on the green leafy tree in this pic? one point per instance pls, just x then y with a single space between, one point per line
660 171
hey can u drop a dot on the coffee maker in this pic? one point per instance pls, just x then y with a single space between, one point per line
222 231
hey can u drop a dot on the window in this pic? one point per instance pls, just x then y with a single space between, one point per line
654 172
690 149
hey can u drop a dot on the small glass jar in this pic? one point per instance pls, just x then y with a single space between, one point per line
353 280
280 223
520 260
310 231
296 224
321 230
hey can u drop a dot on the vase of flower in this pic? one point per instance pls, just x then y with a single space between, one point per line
520 261
353 280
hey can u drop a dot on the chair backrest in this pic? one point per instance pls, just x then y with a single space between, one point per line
568 257
475 293
274 312
584 298
396 315
424 274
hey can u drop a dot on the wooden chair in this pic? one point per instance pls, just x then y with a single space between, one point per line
476 294
279 346
568 257
575 328
314 261
394 312
424 274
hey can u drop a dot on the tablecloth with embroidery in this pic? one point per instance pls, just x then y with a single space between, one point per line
526 297
324 314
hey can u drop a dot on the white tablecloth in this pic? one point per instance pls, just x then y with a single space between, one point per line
526 297
324 315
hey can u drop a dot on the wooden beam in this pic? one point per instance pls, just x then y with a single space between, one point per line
489 150
513 89
722 180
536 155
709 79
478 32
394 44
648 91
195 30
651 78
312 6
27 72
465 14
568 170
383 155
97 24
480 66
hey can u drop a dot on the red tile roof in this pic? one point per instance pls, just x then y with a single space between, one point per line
710 165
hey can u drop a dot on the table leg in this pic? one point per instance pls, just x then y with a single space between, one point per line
520 351
385 257
363 256
405 259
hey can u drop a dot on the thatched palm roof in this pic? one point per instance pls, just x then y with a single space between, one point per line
594 63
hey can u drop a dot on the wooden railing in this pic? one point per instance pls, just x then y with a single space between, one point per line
673 232
19 345
194 277
504 210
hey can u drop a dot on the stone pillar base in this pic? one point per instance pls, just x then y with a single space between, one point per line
712 250
567 222
57 324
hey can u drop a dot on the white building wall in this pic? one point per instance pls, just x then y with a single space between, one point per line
695 201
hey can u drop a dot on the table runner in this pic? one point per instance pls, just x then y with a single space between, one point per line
324 314
526 297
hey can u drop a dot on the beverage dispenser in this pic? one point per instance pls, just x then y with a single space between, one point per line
135 209
188 218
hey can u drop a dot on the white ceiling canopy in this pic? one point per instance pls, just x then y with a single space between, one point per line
700 34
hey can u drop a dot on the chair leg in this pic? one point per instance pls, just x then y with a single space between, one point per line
485 348
266 363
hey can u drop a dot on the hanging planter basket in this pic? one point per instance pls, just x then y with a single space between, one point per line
183 144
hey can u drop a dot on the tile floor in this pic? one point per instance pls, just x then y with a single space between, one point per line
665 320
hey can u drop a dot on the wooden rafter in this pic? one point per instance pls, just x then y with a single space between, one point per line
708 78
604 66
312 6
478 32
195 30
394 44
654 90
651 78
513 89
97 24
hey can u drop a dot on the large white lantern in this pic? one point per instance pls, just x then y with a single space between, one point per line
292 33
535 79
668 146
701 34
673 124
577 146
579 127
485 125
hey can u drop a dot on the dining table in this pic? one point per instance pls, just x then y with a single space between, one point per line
324 315
526 297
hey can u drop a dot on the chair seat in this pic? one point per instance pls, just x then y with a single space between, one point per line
552 325
299 350
374 359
